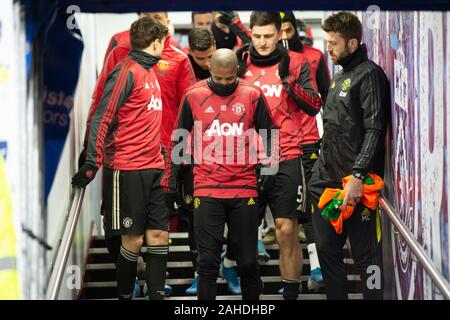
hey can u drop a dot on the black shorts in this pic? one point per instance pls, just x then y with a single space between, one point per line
309 158
286 199
134 201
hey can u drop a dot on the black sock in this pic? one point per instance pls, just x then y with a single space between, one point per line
155 271
290 289
126 273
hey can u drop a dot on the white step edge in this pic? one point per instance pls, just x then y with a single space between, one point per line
178 249
188 281
188 264
313 296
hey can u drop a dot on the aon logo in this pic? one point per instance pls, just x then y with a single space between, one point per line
225 129
271 90
155 104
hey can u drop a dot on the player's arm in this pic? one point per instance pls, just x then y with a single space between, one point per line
118 86
302 91
175 152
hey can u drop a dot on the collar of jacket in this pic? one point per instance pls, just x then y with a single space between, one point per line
221 89
354 59
143 58
200 73
293 44
167 42
260 61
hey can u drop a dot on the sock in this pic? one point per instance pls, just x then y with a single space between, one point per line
313 258
126 273
290 289
155 272
227 263
251 290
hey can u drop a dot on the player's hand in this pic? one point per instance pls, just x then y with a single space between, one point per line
265 182
84 176
283 66
173 201
353 192
226 17
242 56
82 158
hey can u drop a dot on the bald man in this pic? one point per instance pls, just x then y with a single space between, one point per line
226 112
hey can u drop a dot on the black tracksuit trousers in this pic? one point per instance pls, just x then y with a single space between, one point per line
241 216
364 233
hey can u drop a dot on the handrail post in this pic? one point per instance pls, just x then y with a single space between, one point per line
62 256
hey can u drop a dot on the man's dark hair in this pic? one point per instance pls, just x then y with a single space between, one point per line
264 18
165 13
194 13
146 30
346 23
200 39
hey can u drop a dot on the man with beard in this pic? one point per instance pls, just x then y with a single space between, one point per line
356 114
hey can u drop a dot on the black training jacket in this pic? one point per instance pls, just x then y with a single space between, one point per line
355 118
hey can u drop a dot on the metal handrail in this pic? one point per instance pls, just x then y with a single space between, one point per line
62 256
416 248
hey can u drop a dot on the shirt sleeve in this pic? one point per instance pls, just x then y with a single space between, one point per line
184 125
112 44
113 59
119 84
240 30
374 99
263 121
323 78
185 79
302 91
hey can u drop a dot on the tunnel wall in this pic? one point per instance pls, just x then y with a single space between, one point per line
414 50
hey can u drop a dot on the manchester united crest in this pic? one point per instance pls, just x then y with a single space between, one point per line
346 84
238 109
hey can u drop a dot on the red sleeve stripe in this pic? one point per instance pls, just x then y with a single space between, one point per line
112 105
312 101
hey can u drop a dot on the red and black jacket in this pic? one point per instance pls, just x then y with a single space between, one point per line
320 77
215 120
119 39
125 131
289 100
175 75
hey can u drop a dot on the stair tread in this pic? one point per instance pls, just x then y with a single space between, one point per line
184 281
188 264
312 296
100 273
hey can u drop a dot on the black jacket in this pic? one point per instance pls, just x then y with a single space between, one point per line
356 114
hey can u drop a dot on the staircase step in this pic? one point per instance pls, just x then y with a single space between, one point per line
108 289
100 275
351 296
183 253
184 269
